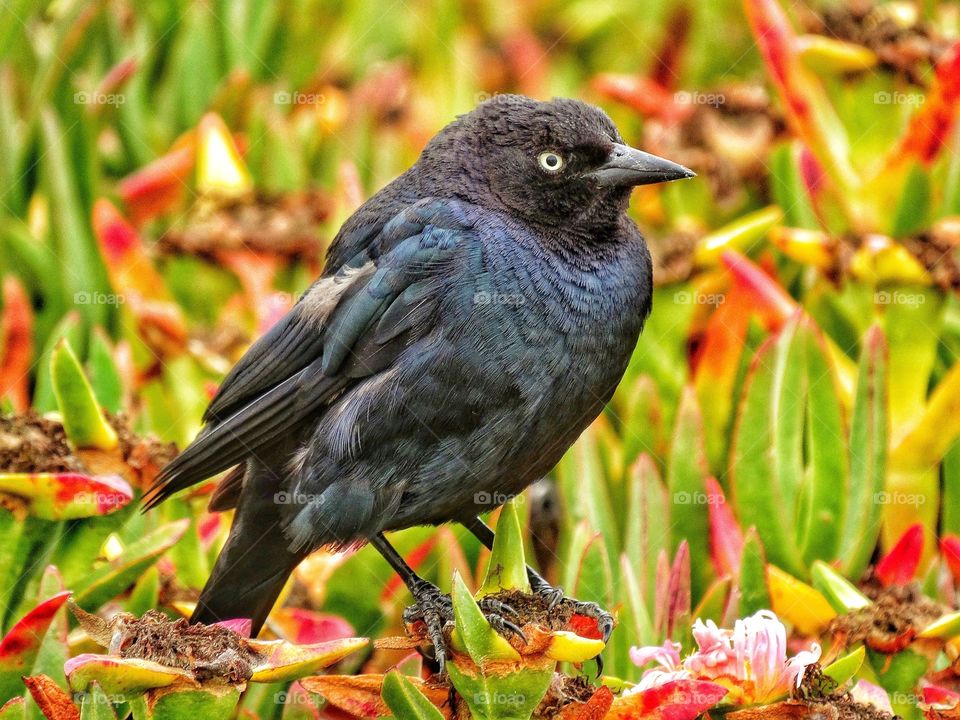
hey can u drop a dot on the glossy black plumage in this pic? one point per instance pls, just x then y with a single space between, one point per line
473 318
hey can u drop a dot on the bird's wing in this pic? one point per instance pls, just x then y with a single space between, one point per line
347 326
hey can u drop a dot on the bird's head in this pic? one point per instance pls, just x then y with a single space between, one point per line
556 163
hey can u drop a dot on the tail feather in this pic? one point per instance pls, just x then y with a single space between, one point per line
254 563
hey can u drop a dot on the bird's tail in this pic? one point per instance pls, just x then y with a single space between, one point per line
252 567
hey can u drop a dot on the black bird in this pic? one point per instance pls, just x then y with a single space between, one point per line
473 317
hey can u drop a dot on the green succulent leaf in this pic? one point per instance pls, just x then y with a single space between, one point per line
83 419
405 700
95 705
473 632
843 669
842 595
117 575
752 582
507 568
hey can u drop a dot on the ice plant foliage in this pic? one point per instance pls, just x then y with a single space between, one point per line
750 660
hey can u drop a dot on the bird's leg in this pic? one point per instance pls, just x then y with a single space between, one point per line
554 595
434 608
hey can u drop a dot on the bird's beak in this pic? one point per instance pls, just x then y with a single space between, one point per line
627 166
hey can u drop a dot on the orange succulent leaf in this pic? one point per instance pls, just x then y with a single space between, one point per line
16 333
128 263
53 701
930 127
596 708
360 695
644 95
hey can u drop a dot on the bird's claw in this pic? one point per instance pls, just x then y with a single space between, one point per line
435 609
494 610
554 596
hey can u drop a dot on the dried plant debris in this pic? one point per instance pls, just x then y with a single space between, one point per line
936 250
821 697
209 652
286 225
564 691
144 454
891 622
896 32
726 137
535 610
32 443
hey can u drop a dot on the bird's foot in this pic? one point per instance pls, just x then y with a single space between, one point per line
554 597
435 609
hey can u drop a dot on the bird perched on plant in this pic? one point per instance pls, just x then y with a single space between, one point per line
473 317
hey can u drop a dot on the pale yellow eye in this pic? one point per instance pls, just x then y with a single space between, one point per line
550 161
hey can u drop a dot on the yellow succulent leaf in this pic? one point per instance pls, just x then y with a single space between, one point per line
795 601
569 647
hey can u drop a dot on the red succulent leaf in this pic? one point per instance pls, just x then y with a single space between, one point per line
666 70
899 566
308 627
527 60
54 702
773 304
19 647
807 108
673 590
415 559
241 626
16 332
726 537
939 703
811 173
929 128
676 700
950 549
585 626
161 185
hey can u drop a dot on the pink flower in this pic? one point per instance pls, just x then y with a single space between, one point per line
751 659
667 656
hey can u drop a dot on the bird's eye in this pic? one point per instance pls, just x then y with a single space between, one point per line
550 161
